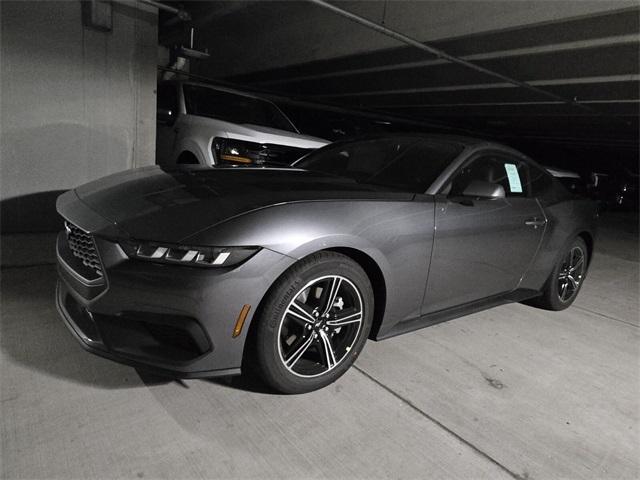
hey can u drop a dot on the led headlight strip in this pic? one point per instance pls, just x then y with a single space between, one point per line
189 256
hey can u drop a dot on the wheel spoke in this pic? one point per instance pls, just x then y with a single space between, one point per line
298 312
344 319
574 282
331 294
571 273
577 264
329 356
293 358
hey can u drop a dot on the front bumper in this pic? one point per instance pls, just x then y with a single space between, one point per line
173 320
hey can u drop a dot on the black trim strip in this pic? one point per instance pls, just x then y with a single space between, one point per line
456 312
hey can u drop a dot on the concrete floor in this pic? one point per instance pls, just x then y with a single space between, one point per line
512 392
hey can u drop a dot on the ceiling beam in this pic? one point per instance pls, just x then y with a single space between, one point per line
486 86
515 52
441 54
501 104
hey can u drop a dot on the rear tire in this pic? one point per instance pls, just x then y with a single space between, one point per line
314 323
564 283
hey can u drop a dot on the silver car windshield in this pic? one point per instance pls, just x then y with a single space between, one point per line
234 108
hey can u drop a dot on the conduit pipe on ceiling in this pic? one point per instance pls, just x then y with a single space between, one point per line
179 12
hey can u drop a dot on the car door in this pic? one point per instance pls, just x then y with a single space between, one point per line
482 246
166 128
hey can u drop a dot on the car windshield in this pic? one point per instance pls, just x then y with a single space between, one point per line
234 108
408 163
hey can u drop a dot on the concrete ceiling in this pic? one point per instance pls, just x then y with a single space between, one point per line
583 51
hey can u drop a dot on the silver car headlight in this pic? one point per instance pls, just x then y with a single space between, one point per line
189 256
239 151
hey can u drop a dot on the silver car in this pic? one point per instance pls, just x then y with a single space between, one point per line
206 125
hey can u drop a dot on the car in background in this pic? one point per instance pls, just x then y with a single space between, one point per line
616 190
202 124
199 272
625 195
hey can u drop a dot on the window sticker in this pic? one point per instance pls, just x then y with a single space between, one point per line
514 179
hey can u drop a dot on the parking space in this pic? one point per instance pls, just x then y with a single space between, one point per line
511 392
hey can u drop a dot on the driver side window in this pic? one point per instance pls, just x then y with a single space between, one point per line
510 173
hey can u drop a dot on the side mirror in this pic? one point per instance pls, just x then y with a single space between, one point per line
164 116
482 189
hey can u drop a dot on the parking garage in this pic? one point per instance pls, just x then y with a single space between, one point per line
95 88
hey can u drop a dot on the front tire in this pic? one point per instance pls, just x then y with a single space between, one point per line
564 283
313 323
187 158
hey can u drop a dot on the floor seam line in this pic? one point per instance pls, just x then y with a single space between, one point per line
438 423
606 316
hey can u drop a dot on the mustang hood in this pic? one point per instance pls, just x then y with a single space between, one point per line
169 205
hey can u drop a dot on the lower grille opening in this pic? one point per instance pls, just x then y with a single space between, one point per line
175 337
163 338
82 319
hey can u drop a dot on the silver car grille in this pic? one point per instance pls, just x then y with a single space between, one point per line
83 247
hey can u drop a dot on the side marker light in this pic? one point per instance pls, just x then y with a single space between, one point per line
237 330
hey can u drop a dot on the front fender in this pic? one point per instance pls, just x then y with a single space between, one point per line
198 147
397 235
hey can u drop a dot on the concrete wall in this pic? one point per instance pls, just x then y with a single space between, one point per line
244 38
76 104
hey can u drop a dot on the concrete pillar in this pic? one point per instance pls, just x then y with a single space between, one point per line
76 103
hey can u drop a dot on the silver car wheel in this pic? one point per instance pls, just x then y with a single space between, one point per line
571 274
320 326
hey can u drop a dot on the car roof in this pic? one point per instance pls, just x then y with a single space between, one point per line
213 87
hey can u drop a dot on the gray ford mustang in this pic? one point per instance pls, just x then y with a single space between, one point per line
288 271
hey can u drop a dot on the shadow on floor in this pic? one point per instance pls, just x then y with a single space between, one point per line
248 382
33 335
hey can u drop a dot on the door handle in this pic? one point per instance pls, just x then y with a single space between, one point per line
535 222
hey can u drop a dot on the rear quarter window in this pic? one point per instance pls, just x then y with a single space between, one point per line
540 182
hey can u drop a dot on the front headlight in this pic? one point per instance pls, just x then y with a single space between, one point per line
189 256
228 150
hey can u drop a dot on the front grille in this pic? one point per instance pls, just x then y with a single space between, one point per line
285 155
83 248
